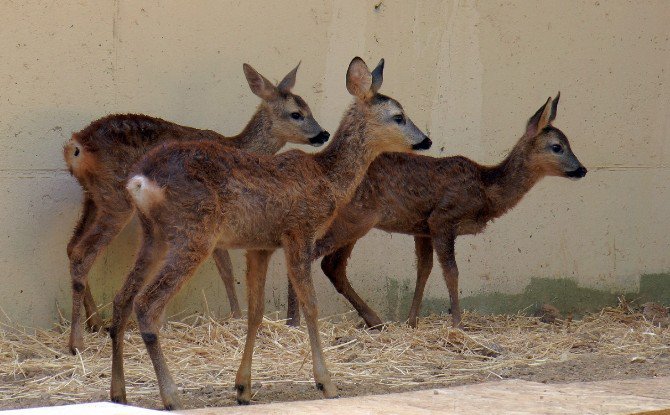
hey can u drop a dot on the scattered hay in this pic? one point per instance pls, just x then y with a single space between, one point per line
204 352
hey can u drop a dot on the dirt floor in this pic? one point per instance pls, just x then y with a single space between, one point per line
614 344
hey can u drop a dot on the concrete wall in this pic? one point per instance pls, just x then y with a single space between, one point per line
470 73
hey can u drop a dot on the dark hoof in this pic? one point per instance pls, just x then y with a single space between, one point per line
120 400
240 390
75 348
293 323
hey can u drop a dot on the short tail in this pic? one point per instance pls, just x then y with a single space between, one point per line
145 193
73 153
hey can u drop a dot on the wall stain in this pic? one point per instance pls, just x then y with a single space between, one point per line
563 293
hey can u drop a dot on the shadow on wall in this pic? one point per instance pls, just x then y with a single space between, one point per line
563 293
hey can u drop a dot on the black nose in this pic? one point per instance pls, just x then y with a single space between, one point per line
320 138
578 173
423 145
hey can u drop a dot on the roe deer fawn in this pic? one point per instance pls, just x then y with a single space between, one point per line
437 199
195 196
100 157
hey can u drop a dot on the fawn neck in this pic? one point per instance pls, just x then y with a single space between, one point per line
346 159
257 137
507 182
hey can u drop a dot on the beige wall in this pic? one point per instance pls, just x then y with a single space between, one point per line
470 73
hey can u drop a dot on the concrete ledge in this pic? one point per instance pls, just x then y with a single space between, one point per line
97 408
617 397
504 397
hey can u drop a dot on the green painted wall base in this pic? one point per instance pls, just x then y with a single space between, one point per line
563 293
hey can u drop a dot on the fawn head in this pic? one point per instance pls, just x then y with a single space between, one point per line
390 129
291 117
549 147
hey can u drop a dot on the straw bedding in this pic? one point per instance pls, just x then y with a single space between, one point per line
204 353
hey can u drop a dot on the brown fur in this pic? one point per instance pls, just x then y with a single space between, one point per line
100 157
437 199
218 197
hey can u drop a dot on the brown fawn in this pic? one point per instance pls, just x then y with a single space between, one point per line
437 199
101 155
195 196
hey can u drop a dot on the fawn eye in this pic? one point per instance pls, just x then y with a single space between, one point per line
297 116
399 119
556 148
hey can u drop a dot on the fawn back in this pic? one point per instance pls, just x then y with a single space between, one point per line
435 200
194 196
101 155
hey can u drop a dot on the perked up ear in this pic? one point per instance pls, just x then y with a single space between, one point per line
259 84
378 76
539 120
359 79
287 84
554 107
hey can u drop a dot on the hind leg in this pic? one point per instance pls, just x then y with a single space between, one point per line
292 307
444 246
183 256
424 264
148 258
103 228
335 268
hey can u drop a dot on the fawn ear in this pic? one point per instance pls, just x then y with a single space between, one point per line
377 77
287 84
359 79
554 107
539 120
259 84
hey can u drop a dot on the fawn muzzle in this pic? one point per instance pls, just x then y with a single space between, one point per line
577 173
423 145
320 138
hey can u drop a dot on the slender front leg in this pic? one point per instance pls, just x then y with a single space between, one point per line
183 257
257 267
88 213
225 267
148 258
102 230
298 256
335 268
424 264
444 246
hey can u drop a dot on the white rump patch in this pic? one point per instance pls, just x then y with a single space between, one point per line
144 192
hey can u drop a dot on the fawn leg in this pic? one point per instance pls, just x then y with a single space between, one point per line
102 230
183 256
225 267
257 267
88 212
424 264
444 246
93 319
297 252
335 268
292 307
148 258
